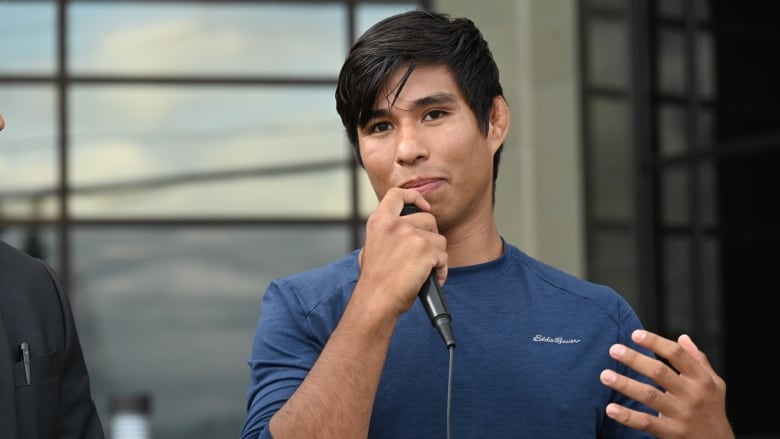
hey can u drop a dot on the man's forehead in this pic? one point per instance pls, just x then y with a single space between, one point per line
397 92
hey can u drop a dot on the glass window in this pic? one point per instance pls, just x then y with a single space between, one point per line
28 152
607 53
713 317
672 62
200 38
675 208
675 9
708 195
706 122
705 66
671 8
673 127
611 165
27 33
366 15
171 312
145 150
678 304
613 262
368 201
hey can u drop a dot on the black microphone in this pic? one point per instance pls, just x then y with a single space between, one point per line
432 298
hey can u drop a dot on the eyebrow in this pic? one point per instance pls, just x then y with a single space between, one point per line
434 99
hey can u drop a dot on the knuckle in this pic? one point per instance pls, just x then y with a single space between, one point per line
659 371
650 395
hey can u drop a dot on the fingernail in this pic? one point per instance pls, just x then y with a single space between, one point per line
639 335
690 340
617 350
613 410
608 376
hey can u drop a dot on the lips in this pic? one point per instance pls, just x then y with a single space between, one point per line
422 184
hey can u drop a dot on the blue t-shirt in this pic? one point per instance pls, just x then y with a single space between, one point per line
531 343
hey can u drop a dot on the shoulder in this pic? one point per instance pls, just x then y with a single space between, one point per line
29 286
556 280
11 257
18 270
322 284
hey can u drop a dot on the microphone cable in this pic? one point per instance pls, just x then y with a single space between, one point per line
450 348
436 307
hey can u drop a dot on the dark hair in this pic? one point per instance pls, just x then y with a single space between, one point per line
412 39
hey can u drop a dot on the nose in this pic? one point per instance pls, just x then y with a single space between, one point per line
411 147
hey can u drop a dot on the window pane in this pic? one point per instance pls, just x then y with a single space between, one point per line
610 166
675 205
711 288
202 38
671 63
367 14
613 262
706 68
677 291
607 53
27 36
675 9
671 9
172 312
706 129
673 125
368 200
28 154
708 195
713 299
143 151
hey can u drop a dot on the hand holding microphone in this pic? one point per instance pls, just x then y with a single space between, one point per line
432 298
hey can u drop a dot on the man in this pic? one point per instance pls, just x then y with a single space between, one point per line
44 386
347 350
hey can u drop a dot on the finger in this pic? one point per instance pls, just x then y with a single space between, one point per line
423 221
638 420
673 352
396 198
641 392
687 343
650 367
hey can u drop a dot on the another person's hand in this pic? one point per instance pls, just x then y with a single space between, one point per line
693 405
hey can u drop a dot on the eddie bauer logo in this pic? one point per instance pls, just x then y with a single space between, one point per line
556 340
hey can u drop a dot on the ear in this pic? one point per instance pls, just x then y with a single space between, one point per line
498 126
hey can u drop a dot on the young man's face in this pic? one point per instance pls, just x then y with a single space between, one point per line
429 140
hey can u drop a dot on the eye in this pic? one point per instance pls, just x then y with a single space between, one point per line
435 114
379 127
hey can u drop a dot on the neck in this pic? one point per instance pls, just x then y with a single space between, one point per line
475 242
